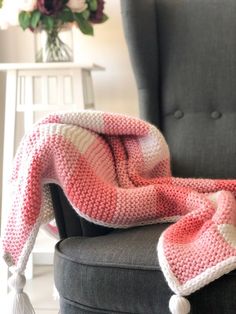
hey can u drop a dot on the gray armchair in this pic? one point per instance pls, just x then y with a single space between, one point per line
184 58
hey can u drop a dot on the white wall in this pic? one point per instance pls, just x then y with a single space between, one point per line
115 90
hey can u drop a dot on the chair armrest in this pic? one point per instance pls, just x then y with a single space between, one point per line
69 223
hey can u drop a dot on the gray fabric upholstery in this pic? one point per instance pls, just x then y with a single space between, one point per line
117 273
184 59
120 273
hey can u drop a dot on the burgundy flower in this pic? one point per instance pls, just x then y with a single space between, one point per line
50 7
97 16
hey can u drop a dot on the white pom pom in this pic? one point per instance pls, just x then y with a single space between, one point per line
179 305
18 302
17 282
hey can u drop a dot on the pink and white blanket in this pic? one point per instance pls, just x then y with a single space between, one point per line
115 171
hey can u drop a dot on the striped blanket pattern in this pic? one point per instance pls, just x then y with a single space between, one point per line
115 171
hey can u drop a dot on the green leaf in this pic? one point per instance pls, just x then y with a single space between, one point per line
86 14
24 19
67 16
35 18
93 5
1 1
104 18
83 24
48 22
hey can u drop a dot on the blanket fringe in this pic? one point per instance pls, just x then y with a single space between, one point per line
179 305
18 301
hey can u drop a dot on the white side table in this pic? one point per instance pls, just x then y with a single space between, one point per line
40 87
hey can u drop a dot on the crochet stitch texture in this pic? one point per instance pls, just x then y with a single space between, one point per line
115 171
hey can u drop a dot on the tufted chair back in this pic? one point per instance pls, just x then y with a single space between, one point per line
184 59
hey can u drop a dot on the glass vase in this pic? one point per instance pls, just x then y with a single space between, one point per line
53 46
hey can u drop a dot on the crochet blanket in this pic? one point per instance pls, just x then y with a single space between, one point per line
115 171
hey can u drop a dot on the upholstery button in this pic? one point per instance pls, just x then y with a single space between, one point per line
178 114
216 115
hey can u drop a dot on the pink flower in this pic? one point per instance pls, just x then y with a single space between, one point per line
50 7
77 5
27 5
9 14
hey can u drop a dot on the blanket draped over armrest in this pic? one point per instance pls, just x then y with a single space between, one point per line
115 171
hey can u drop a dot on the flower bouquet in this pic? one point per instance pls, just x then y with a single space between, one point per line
51 17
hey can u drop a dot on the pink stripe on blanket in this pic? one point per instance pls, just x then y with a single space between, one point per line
14 244
201 251
18 235
161 170
89 194
124 125
199 185
121 161
196 238
51 119
171 201
115 171
132 205
99 156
